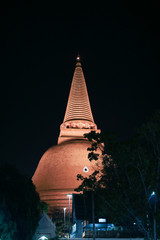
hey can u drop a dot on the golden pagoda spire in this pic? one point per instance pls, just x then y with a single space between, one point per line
78 117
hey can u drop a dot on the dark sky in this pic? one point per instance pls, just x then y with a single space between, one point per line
119 45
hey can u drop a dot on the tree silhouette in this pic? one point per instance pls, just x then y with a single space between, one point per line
130 173
20 203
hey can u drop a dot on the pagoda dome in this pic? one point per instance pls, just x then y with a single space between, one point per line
56 174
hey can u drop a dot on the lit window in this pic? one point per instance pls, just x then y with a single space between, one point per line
102 220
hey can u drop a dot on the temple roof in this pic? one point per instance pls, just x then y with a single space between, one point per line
78 106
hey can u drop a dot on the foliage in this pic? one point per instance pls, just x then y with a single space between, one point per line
8 228
58 218
130 173
20 203
44 207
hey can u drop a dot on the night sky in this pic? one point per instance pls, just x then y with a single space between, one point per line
119 45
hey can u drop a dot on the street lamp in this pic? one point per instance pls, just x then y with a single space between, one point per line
153 194
64 219
69 196
154 218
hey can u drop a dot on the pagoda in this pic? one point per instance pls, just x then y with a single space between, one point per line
56 173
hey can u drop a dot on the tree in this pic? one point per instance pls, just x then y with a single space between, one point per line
8 228
131 171
20 204
44 207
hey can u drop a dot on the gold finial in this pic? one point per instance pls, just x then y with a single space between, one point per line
78 58
78 64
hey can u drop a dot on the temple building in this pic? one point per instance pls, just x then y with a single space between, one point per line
56 173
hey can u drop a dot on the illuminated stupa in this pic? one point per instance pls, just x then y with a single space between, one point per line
56 173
